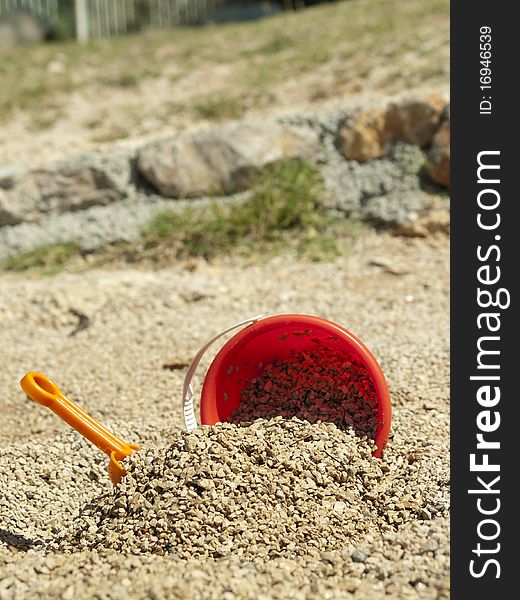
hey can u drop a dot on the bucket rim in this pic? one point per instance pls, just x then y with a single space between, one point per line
208 414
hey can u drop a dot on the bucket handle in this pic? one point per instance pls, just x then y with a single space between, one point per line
190 421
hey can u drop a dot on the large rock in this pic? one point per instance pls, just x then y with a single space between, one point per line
8 176
370 133
415 120
63 187
364 137
439 157
21 27
221 160
6 217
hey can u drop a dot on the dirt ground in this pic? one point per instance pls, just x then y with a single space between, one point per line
391 292
386 291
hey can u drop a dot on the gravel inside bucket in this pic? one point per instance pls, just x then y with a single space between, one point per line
324 384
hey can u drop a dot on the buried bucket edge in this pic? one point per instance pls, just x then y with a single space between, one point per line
213 407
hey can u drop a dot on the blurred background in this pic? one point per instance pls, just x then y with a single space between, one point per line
135 129
25 21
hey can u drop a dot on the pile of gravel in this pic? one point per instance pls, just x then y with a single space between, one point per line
274 488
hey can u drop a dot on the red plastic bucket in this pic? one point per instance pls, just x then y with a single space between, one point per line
246 354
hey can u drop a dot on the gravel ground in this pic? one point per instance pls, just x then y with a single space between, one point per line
368 529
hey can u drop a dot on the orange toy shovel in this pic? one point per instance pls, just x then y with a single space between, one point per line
44 391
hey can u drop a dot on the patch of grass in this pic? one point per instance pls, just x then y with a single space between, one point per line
110 135
313 57
42 122
49 259
276 44
284 210
263 76
433 71
215 109
308 37
175 77
127 80
35 91
393 76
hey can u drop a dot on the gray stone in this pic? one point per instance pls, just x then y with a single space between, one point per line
395 208
222 159
20 27
64 186
91 228
8 176
358 556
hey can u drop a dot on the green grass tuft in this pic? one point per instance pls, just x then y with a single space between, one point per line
276 44
215 109
48 259
128 80
284 210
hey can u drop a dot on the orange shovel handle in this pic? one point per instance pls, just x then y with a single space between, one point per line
43 390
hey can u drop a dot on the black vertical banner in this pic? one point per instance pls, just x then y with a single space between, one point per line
485 371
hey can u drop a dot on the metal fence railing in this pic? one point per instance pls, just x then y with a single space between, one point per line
102 19
107 18
46 8
168 13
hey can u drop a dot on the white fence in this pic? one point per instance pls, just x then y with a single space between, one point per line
165 13
106 18
102 18
47 8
